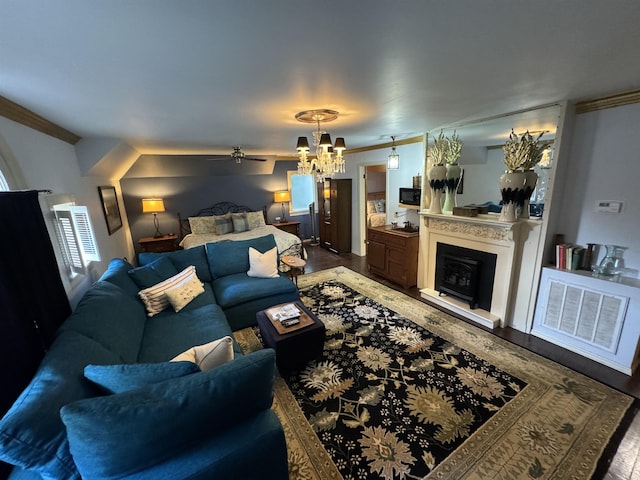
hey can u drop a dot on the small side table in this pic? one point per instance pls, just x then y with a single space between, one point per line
296 266
289 227
166 243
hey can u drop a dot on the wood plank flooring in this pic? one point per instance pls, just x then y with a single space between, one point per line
625 464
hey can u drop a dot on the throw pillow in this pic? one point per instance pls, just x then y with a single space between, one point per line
154 272
255 219
380 206
182 294
155 299
223 223
209 355
263 265
202 225
122 378
371 207
240 222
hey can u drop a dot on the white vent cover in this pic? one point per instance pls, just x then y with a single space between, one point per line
590 316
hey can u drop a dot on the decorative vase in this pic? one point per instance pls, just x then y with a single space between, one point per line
437 176
531 178
451 186
512 191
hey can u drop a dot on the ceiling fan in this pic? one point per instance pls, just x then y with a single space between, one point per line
238 155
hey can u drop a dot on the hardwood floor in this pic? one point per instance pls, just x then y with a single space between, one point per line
625 464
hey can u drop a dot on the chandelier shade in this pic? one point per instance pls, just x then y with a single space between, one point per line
328 160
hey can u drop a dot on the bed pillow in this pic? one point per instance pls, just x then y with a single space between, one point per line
208 356
371 207
202 225
240 222
155 299
125 377
263 265
380 206
224 224
182 294
256 220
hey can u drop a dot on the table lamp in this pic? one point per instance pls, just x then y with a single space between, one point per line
282 196
155 206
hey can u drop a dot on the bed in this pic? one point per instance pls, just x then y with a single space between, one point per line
376 209
227 221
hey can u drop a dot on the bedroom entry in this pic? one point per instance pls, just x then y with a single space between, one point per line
375 179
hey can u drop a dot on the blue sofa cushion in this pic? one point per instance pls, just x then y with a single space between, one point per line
122 378
153 273
195 256
32 435
117 273
112 318
227 258
169 334
100 429
239 288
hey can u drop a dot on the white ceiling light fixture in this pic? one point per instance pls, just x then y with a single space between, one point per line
393 160
328 160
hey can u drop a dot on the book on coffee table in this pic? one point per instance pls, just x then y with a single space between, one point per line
283 312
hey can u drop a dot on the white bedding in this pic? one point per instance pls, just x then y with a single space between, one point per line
376 219
287 243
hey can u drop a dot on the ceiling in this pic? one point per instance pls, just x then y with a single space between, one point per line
169 76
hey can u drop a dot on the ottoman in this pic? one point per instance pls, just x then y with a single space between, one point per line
296 347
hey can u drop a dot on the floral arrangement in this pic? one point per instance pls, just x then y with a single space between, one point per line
439 150
454 148
524 152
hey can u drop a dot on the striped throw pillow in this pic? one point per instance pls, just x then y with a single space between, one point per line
240 222
155 299
223 223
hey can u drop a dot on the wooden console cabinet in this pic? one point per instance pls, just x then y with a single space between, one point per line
393 254
334 214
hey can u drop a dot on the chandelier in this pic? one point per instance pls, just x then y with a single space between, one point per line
328 160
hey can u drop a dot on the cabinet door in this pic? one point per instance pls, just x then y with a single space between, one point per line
376 255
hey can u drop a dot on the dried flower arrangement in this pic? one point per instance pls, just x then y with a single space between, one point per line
454 148
438 151
524 152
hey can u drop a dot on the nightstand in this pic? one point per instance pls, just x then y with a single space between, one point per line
290 227
166 243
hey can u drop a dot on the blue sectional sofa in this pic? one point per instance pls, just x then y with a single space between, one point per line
186 423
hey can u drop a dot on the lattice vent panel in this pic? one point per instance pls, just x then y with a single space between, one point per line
590 316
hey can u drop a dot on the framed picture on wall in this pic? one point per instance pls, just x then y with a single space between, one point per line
110 208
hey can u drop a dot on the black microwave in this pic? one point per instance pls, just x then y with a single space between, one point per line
410 196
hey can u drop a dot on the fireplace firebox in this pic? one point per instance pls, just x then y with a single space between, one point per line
465 274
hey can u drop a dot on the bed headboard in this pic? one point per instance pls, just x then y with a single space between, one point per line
376 195
219 208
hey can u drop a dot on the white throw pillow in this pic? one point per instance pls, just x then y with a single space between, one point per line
209 355
155 299
263 265
180 295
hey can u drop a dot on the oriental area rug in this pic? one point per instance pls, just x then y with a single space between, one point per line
405 391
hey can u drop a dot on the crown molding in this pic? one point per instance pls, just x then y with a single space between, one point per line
19 114
611 101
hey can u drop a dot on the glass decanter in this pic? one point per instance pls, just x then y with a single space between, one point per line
612 263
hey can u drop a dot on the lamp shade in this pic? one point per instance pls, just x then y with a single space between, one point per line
281 196
340 145
152 205
325 140
303 144
393 161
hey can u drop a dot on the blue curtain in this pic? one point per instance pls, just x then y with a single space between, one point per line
33 302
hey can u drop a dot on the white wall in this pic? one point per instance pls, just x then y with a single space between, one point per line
604 165
48 163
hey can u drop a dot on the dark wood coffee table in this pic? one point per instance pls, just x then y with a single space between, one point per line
297 347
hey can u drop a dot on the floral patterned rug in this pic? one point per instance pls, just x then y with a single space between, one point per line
404 391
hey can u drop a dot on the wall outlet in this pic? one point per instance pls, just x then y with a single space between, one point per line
277 219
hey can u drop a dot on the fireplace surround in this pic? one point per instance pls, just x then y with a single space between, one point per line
507 242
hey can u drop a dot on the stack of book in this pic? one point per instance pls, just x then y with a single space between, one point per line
570 257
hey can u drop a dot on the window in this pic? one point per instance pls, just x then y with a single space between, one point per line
75 237
303 192
4 186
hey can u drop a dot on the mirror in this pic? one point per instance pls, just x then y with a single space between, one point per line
482 155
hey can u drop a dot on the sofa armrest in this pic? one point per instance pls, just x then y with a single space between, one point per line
121 434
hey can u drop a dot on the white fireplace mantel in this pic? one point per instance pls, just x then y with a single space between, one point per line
485 233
